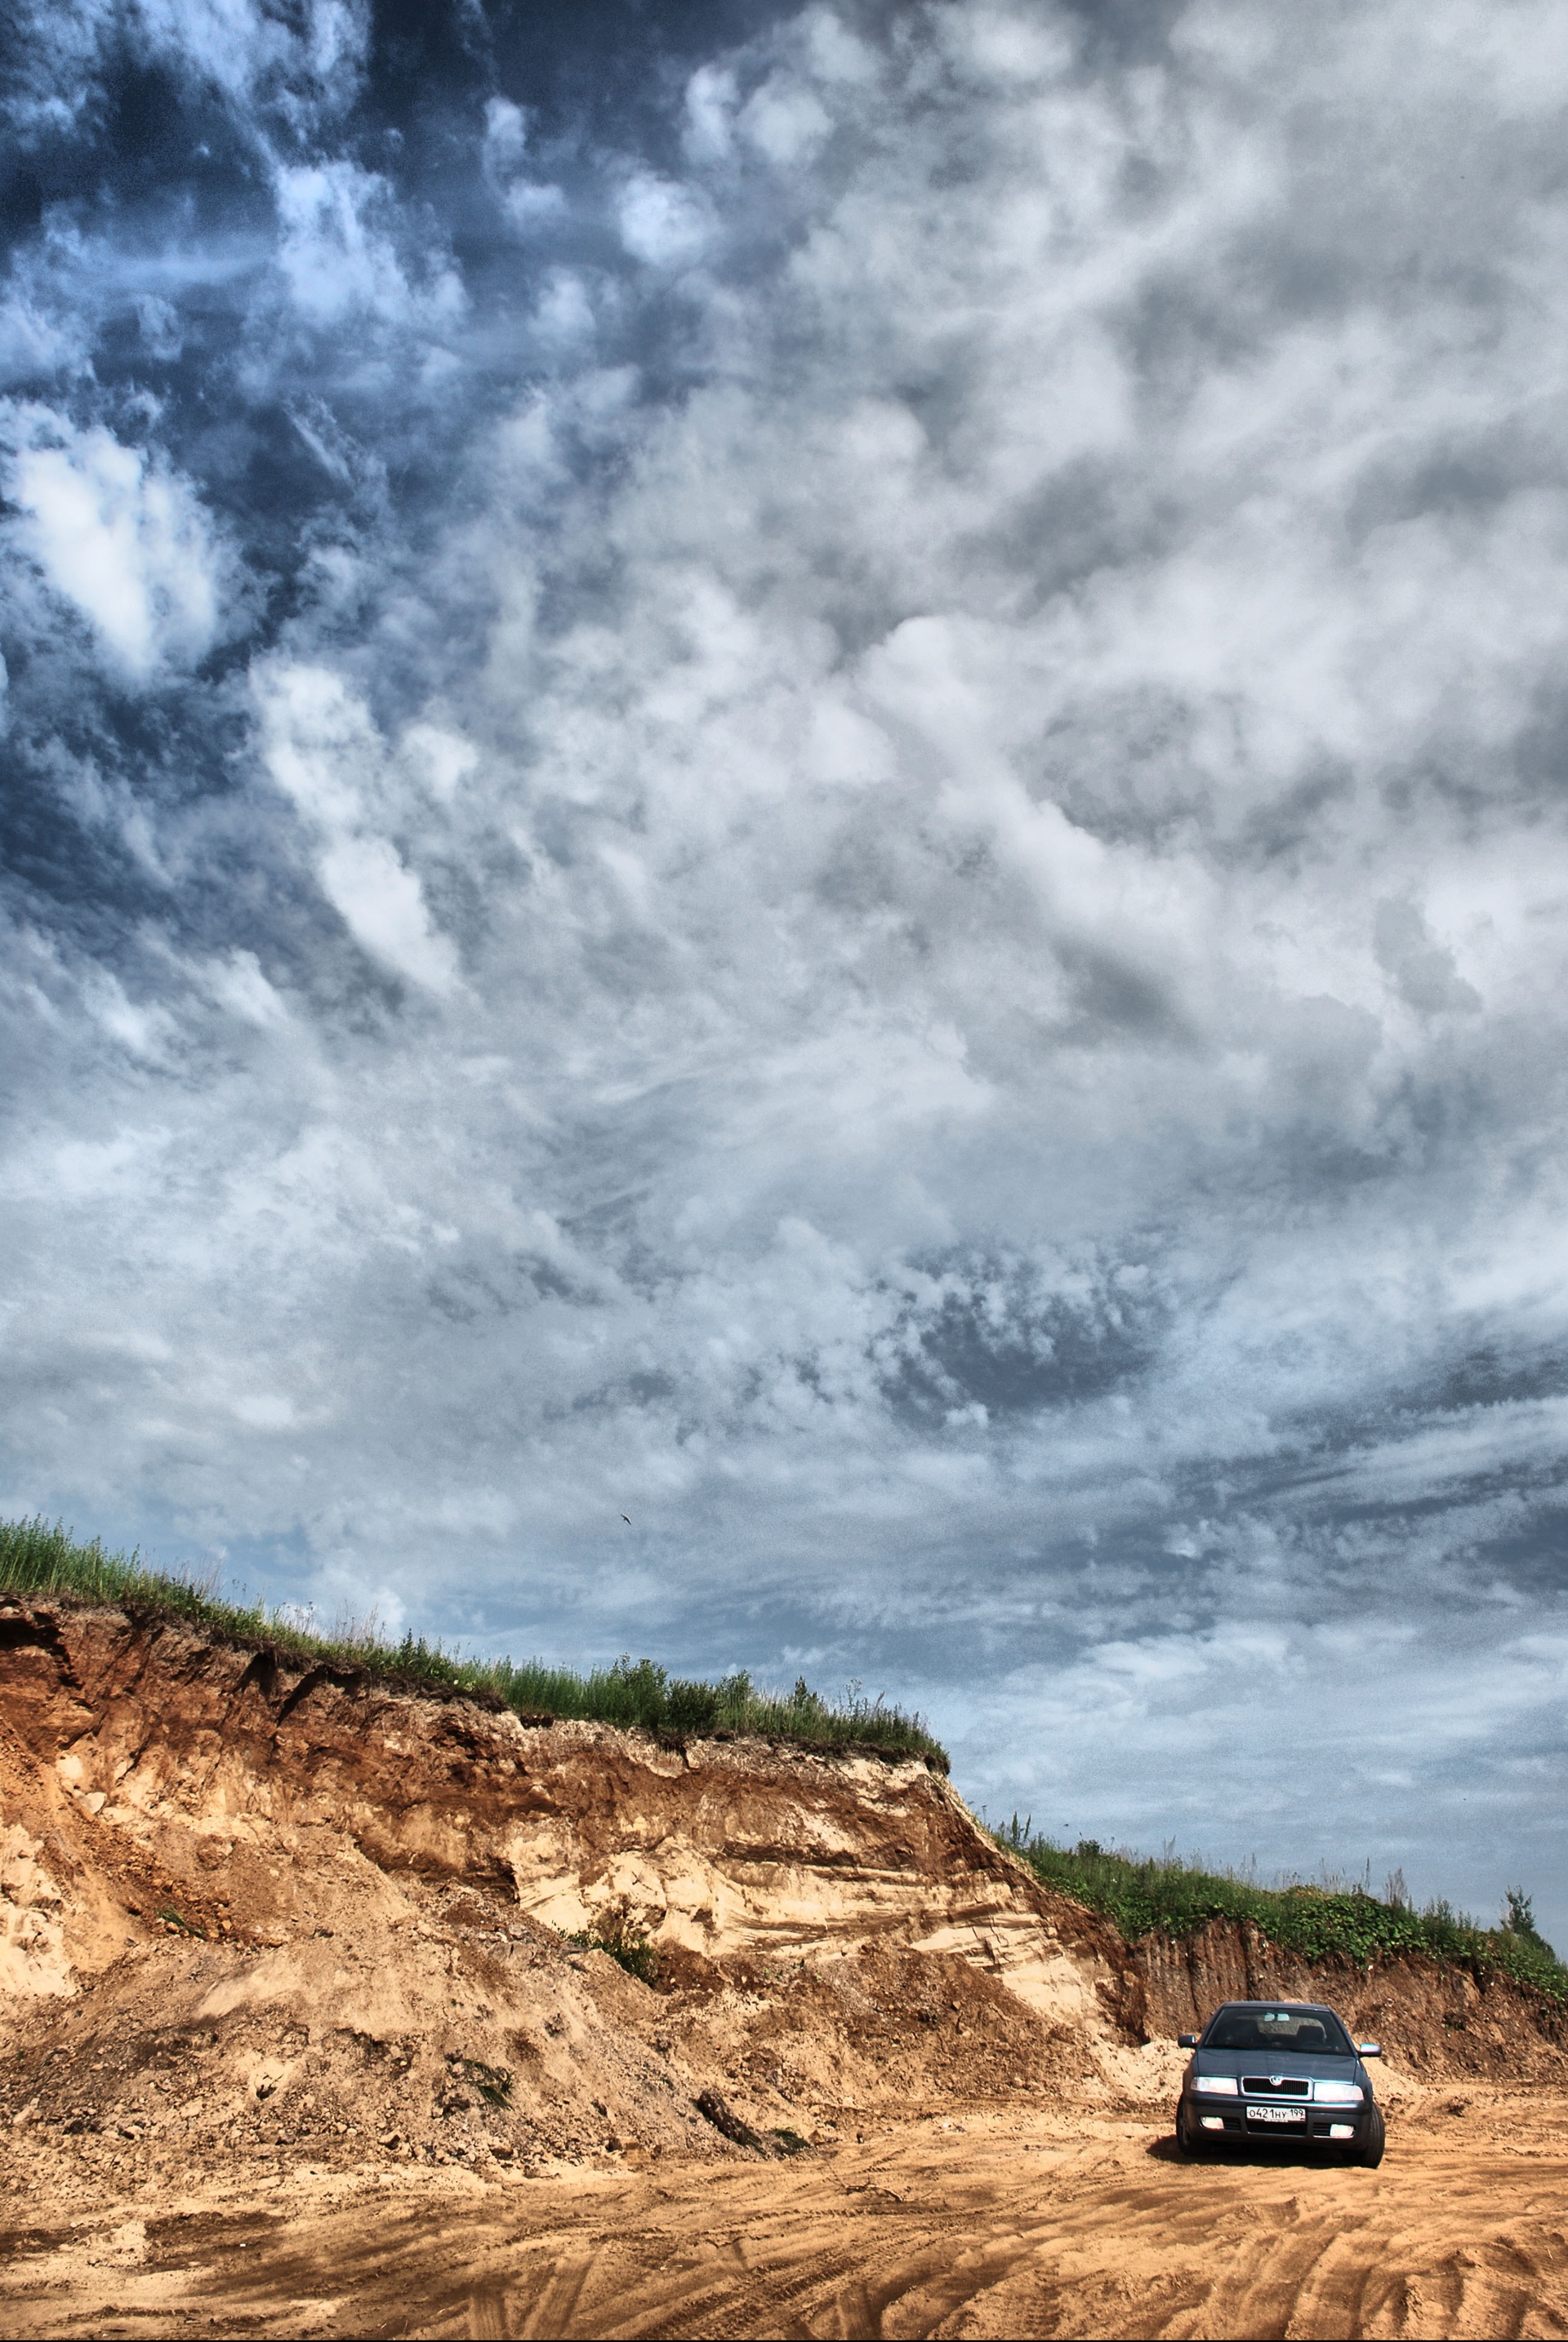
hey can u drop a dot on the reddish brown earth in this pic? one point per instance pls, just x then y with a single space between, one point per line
293 2039
1437 2020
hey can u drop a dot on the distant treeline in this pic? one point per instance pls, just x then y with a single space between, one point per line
36 1558
1142 1896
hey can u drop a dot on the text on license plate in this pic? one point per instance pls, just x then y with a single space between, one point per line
1276 2114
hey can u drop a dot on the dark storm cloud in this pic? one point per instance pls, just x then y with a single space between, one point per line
806 764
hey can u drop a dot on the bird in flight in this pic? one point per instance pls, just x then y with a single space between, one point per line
628 1518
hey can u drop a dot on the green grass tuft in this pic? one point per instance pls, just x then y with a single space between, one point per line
1143 1896
171 1918
38 1559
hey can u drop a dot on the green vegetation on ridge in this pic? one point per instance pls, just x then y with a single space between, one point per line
37 1559
1143 1896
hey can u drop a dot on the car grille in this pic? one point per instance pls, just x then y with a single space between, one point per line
1263 2085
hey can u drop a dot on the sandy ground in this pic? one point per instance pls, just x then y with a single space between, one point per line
989 2223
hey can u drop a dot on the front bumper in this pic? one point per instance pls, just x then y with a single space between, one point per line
1275 2123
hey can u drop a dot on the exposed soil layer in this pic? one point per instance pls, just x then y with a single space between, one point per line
1439 2018
294 2037
165 1761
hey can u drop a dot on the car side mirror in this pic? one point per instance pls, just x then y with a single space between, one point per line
1186 2040
1367 2049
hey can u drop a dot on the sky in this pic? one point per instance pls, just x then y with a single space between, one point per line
801 772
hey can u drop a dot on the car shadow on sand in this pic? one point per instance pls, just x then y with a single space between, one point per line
1296 2156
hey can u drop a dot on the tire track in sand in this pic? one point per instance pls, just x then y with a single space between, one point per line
1070 2228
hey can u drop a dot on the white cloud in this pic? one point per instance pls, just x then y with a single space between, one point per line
338 256
835 54
145 1030
784 120
662 222
1153 1740
384 908
304 65
505 138
316 52
32 343
709 105
124 538
323 751
266 1411
565 313
530 205
239 985
445 758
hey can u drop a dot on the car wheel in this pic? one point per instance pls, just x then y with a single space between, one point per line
1369 2155
1189 2140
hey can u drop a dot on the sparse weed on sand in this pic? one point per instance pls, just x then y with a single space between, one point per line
494 2083
36 1558
1142 1895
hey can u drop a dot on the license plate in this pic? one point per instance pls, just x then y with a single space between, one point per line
1276 2114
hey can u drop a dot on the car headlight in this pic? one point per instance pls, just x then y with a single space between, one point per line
1338 2094
1219 2085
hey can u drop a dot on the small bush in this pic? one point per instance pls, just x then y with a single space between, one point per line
38 1559
621 1935
1519 1917
1144 1896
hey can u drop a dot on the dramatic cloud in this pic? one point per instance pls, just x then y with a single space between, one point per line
124 541
806 783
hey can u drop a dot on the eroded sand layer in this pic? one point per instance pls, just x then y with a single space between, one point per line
995 2225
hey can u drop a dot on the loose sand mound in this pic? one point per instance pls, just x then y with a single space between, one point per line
295 2039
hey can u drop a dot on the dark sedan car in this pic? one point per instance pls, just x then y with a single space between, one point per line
1279 2073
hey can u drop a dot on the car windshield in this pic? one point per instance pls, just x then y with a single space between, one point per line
1309 2031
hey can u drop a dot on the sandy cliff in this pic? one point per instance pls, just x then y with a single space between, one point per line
245 1906
136 1742
298 1905
296 2040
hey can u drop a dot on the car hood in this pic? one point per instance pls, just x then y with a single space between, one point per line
1315 2067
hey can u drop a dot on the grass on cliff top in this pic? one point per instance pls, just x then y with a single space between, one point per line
1143 1896
37 1559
